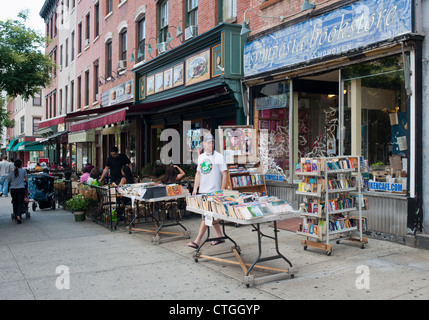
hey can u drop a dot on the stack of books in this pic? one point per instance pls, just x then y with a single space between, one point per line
239 206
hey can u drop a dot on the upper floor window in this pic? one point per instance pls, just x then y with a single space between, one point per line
96 20
109 6
37 99
123 47
163 15
192 10
229 9
141 36
109 59
87 30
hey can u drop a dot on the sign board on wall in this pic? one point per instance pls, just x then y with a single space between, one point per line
354 26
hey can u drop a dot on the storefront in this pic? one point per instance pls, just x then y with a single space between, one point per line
345 82
94 131
194 86
54 139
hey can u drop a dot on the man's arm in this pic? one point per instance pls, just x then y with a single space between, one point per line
224 180
196 183
104 173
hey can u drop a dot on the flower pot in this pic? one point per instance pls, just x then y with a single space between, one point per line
79 216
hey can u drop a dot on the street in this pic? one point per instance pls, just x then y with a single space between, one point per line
52 257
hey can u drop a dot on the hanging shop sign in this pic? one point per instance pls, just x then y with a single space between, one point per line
351 27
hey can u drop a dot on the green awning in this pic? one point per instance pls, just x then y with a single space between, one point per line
16 146
33 146
25 146
11 144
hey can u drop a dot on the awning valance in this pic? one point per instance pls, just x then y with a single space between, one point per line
27 146
100 121
55 136
51 122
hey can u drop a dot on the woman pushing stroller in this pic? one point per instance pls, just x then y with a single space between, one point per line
17 180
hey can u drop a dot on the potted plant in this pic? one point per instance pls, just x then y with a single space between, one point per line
78 204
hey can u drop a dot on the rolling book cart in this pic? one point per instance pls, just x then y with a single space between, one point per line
330 212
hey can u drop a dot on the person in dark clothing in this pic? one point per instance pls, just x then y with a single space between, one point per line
171 175
17 179
114 163
127 177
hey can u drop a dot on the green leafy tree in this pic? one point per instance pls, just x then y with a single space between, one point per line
24 68
5 121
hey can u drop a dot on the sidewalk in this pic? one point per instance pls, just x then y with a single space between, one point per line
119 265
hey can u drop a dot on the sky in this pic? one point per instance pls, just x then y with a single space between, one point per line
11 8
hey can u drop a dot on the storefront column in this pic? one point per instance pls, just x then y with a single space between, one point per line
294 135
356 116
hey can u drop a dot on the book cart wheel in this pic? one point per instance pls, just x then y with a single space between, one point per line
328 253
305 247
363 246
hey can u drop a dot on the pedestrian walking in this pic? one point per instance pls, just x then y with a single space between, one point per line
211 176
114 163
4 173
17 180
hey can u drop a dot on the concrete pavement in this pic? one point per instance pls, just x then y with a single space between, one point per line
51 256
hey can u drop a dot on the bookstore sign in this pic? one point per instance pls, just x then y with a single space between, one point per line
338 32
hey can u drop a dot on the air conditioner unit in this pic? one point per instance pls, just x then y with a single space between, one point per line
122 65
190 32
86 42
163 47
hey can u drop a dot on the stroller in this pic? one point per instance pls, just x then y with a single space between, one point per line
25 205
44 194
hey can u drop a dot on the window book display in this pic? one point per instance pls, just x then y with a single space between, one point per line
247 180
246 177
238 205
327 185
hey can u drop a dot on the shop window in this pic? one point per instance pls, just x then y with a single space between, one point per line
375 113
271 103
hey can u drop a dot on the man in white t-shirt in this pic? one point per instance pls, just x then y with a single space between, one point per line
211 176
4 172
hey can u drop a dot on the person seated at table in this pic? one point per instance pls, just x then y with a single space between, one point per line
171 174
38 168
85 175
94 175
127 176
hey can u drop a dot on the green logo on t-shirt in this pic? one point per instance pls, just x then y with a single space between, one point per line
206 166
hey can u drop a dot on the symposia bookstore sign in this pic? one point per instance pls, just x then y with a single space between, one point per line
354 26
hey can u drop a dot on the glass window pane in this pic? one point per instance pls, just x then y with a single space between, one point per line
375 98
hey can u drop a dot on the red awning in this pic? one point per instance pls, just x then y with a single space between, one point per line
51 122
100 121
73 116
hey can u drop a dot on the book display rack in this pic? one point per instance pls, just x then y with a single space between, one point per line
332 203
246 177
